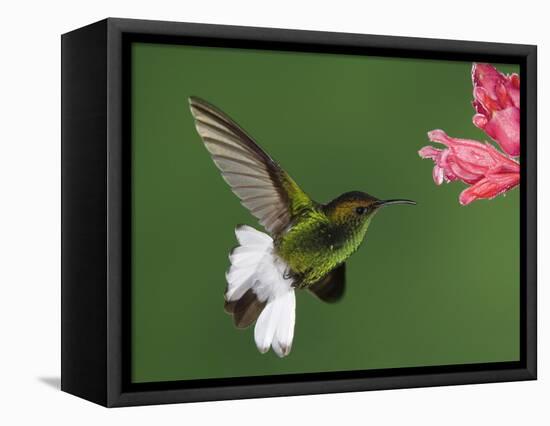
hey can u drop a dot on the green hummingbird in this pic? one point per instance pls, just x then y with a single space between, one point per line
308 242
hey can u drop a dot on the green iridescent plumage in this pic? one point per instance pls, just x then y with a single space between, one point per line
313 239
324 236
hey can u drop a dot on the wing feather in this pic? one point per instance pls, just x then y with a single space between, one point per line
266 190
332 287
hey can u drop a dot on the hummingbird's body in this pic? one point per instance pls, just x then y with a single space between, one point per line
308 244
317 243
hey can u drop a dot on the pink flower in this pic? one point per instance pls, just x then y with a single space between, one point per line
496 101
488 171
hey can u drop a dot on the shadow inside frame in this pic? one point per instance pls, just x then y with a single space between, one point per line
129 386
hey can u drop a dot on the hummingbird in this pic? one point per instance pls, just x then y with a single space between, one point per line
306 245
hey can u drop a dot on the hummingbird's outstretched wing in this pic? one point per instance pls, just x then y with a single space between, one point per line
332 286
263 187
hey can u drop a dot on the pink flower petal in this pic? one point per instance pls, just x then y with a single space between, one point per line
468 160
504 127
438 175
512 85
496 102
480 121
489 187
440 136
486 76
468 176
504 164
429 152
486 102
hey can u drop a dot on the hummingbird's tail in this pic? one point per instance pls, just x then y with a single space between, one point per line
258 289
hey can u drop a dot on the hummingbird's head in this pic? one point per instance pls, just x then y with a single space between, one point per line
355 209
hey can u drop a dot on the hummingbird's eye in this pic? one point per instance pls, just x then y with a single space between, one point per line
360 210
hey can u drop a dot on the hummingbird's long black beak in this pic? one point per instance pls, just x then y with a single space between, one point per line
382 203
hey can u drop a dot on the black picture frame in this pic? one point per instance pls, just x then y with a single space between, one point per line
96 226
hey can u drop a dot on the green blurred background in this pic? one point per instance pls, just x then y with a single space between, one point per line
433 284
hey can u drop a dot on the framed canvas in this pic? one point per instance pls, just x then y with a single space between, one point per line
369 223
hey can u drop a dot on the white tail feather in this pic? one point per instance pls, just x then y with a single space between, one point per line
275 326
255 266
